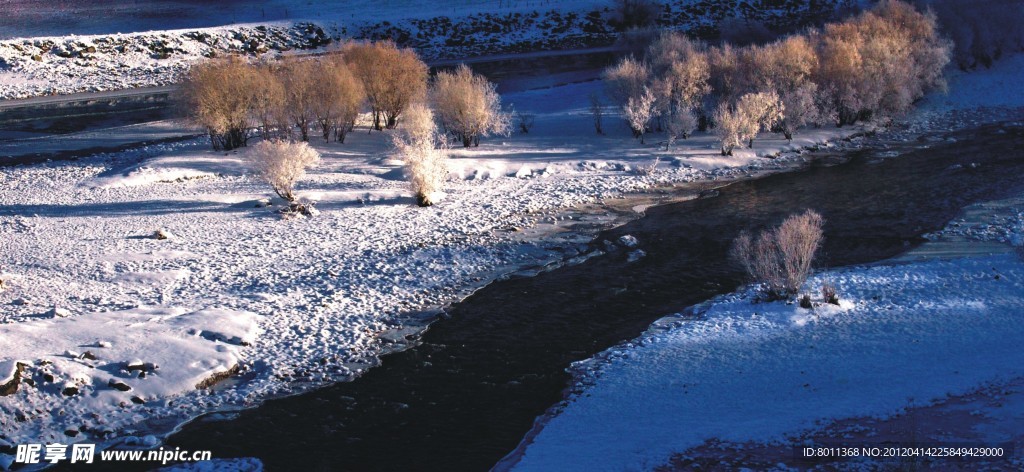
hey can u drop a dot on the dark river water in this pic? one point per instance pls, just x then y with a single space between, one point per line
465 396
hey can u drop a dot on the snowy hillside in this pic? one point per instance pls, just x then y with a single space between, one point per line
61 63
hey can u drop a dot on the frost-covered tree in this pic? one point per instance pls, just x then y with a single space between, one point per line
786 67
393 78
728 127
681 69
878 63
282 163
738 125
425 154
639 111
680 124
626 79
758 112
468 105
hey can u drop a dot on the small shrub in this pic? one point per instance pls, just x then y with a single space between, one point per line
597 112
805 302
282 163
781 258
828 293
524 121
648 169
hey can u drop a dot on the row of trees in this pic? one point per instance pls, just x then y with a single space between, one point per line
874 65
236 100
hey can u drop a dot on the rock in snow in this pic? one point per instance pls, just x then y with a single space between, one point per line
629 241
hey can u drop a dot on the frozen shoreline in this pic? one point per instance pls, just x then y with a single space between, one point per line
745 380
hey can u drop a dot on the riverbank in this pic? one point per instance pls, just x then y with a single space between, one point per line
915 343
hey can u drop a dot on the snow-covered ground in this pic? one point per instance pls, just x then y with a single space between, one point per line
287 303
62 17
904 335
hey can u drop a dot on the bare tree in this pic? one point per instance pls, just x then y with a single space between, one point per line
218 95
338 98
393 78
468 105
269 106
781 258
300 77
799 238
639 111
597 112
282 163
424 151
524 121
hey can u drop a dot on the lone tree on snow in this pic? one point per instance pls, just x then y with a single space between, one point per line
281 164
781 257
